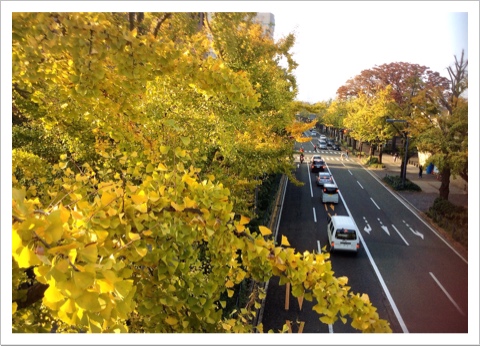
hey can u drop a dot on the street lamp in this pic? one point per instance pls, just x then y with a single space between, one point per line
404 135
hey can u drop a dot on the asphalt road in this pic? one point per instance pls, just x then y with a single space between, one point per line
415 279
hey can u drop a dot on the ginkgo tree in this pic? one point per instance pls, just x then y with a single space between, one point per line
366 118
135 226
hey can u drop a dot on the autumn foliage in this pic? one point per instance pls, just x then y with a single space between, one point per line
138 141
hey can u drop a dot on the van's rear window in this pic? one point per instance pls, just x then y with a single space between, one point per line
348 234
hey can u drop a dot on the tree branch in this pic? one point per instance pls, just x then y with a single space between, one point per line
160 22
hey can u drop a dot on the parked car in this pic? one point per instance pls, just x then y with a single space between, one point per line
324 178
317 166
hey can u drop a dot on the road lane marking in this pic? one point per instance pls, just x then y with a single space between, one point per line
350 172
310 179
446 293
385 228
375 203
362 187
314 215
384 286
367 228
415 212
418 234
401 236
377 272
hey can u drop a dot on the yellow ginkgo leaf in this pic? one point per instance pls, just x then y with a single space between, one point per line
264 230
285 241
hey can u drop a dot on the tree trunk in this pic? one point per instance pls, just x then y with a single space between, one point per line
380 153
445 186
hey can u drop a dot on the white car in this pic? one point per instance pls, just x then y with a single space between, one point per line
342 234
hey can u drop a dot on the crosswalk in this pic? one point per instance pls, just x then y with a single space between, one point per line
336 157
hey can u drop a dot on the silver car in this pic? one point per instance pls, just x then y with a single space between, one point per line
324 178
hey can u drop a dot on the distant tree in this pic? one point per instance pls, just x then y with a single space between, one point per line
366 119
445 135
411 85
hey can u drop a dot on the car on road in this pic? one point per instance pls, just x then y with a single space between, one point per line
330 193
323 137
330 142
315 157
322 144
317 166
324 178
342 233
336 146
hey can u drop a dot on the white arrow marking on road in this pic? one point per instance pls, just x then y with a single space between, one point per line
385 228
367 228
418 234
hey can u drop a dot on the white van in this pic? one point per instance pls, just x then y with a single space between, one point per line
342 234
330 193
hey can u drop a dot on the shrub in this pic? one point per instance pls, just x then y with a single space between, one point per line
396 183
452 218
372 162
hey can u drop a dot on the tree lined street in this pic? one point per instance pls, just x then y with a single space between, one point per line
426 280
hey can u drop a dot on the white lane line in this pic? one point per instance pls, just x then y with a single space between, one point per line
401 236
361 186
350 172
379 276
375 203
446 293
310 179
415 212
314 215
330 327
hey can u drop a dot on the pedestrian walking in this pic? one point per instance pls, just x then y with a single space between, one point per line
314 148
395 157
420 171
346 153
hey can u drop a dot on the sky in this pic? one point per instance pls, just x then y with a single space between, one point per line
335 41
